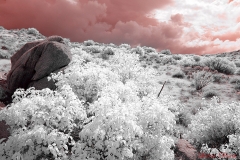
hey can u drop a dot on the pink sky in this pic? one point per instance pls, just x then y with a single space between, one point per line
186 26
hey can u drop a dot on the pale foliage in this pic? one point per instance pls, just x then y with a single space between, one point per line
215 122
202 79
41 122
108 110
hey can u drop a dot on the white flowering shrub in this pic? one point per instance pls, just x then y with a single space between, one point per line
123 127
214 123
41 123
127 66
86 80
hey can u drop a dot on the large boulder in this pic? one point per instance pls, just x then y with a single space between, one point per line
34 62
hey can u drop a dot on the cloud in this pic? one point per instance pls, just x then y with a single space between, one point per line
183 27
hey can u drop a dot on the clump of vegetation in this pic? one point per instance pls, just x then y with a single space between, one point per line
221 65
237 64
89 43
213 124
166 60
221 55
177 57
237 72
92 49
166 52
178 74
33 31
217 78
138 50
237 86
234 80
188 61
127 46
209 94
197 58
201 79
183 119
108 51
149 49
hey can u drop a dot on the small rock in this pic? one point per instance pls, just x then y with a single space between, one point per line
185 150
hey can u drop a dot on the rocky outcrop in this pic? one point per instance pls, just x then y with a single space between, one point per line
33 63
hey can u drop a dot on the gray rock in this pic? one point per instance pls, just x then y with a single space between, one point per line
24 49
35 61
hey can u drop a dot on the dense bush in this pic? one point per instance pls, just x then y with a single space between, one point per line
166 52
178 74
138 50
209 94
89 43
108 51
177 57
234 80
213 124
197 58
41 123
237 86
217 78
201 79
125 128
92 49
188 61
165 60
183 119
221 65
237 72
124 45
148 49
32 31
237 64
